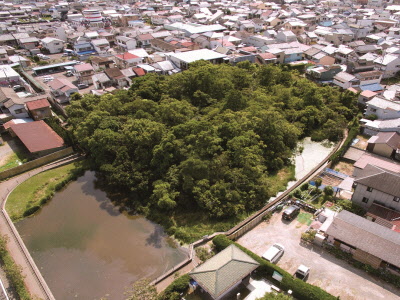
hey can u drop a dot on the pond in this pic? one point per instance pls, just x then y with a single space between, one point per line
86 249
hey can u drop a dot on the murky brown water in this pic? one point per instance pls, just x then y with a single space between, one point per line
86 249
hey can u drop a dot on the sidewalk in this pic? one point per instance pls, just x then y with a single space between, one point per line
33 279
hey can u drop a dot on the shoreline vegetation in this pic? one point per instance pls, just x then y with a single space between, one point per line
32 194
13 271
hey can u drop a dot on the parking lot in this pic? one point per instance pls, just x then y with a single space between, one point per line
333 275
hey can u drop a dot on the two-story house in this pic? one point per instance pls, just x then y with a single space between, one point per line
53 45
62 89
127 59
377 185
126 43
101 46
389 64
84 72
384 109
39 109
345 80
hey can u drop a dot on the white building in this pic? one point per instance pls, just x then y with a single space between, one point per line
383 109
53 45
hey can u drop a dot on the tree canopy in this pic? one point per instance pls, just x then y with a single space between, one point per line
207 138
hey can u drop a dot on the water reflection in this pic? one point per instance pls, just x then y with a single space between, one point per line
86 248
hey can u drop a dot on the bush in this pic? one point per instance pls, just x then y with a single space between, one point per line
305 186
301 290
31 210
351 207
177 287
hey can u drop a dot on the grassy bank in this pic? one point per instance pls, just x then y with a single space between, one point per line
189 225
13 271
33 193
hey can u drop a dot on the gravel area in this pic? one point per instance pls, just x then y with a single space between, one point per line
333 275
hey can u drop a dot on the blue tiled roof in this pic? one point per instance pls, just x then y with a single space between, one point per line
371 87
86 52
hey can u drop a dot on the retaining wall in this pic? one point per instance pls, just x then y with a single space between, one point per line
36 163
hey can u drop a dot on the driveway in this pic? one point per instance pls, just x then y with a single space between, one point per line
333 275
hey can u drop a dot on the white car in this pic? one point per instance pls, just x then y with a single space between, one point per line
274 253
302 272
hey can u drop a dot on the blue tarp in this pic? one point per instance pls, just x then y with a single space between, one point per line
371 87
86 52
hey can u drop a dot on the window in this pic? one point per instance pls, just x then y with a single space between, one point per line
369 189
19 111
365 200
396 199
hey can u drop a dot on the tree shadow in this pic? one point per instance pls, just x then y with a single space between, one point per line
156 237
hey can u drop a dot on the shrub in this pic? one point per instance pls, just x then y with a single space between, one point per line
305 186
31 210
301 290
177 287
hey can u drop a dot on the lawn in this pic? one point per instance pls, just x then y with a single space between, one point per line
31 192
304 218
13 160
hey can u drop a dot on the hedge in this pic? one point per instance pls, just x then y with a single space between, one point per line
178 286
301 290
353 132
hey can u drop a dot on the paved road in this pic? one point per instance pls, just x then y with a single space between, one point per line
33 279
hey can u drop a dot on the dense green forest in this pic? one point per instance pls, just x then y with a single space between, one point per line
208 138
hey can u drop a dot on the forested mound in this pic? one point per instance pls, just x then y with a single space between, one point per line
207 138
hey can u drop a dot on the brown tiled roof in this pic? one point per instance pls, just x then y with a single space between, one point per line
114 73
37 104
37 136
139 71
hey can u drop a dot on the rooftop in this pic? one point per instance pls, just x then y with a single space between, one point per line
37 136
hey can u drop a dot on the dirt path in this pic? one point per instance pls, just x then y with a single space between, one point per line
33 279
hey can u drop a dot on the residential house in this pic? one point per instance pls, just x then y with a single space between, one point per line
3 57
84 72
62 89
222 273
370 81
369 127
101 46
323 73
126 43
286 37
18 59
365 96
101 81
297 27
117 78
362 63
165 67
367 241
99 62
182 60
29 43
53 45
384 109
144 40
127 59
385 144
375 184
37 137
39 109
342 54
267 58
345 80
83 49
389 64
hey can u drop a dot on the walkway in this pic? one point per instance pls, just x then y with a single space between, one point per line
33 278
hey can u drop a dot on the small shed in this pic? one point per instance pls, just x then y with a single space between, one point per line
222 273
384 143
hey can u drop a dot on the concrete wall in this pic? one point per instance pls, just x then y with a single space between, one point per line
36 163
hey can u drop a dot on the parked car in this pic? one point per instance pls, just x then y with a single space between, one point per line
291 212
82 86
18 88
274 253
42 56
302 272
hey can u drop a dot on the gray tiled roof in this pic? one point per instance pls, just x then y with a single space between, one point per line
367 236
224 270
